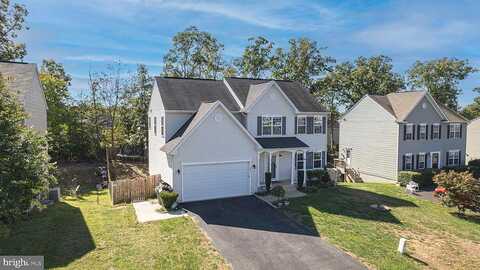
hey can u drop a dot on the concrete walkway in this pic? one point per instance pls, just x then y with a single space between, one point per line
152 211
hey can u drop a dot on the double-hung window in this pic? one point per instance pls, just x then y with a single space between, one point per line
272 125
436 131
455 131
301 124
155 125
421 161
408 162
453 158
317 160
422 132
409 132
300 161
162 126
317 124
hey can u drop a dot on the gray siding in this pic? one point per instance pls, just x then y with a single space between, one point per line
425 113
372 134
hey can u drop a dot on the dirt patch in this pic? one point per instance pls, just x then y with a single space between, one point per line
441 251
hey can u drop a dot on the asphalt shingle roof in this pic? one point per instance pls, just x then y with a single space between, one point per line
281 142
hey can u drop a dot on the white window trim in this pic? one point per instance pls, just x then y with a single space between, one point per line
438 133
298 124
318 159
439 159
423 125
271 116
453 128
450 152
407 133
320 119
424 161
411 161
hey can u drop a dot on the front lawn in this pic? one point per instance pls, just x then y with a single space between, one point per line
79 234
437 238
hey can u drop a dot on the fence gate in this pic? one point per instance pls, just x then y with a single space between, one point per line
133 190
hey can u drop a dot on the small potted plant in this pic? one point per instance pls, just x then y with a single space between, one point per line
279 193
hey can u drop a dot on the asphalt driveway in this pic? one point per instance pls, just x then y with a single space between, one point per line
252 235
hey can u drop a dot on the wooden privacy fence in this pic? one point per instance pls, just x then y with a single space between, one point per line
133 190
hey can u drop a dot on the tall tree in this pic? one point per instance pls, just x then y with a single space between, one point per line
195 54
350 82
472 111
12 19
441 78
25 168
256 58
303 62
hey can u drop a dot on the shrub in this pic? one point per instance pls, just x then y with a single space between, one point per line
278 192
299 179
404 177
321 175
462 190
268 181
475 162
167 198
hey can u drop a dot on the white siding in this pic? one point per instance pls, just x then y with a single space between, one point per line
216 141
156 158
35 106
473 140
372 133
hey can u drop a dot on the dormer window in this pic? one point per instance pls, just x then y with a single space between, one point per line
272 125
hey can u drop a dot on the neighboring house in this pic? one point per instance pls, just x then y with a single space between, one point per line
382 135
333 129
473 139
22 79
213 139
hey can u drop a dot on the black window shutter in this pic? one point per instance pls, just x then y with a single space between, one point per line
324 124
413 162
426 158
309 124
440 131
404 132
259 126
309 160
459 158
284 125
413 131
431 132
426 132
324 161
448 131
418 132
461 129
403 163
417 161
296 124
447 156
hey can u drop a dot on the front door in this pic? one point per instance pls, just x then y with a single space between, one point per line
435 160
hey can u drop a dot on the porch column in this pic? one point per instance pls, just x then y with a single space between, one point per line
305 168
270 161
258 169
293 167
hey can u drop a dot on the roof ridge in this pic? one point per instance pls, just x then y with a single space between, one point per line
259 79
15 62
187 78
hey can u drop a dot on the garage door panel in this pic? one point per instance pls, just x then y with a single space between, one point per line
218 180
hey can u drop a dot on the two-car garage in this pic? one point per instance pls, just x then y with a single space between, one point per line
203 181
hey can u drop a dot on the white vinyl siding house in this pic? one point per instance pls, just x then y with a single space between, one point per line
473 139
371 135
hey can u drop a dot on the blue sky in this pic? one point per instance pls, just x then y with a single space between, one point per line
89 34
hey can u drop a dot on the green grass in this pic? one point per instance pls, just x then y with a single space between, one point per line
436 237
79 234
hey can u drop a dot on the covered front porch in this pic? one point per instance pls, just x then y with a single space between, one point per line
284 157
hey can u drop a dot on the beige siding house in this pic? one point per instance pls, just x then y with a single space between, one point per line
22 79
473 139
382 135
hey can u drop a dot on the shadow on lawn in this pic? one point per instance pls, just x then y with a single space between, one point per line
470 218
59 233
350 202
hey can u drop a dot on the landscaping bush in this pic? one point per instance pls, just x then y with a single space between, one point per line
299 179
167 198
475 162
321 175
268 181
278 192
462 190
404 177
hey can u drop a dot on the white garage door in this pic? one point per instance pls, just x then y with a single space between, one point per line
215 180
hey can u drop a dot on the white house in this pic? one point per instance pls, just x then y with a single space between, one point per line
23 80
473 139
214 139
382 135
